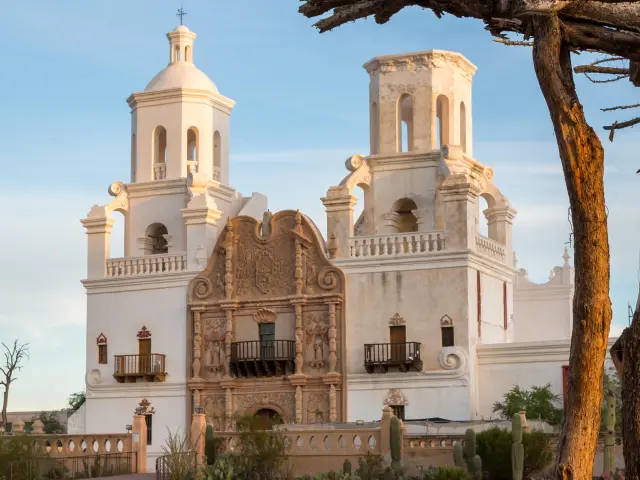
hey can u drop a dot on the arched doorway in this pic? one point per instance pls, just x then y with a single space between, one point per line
268 418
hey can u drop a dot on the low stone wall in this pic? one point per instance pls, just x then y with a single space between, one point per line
314 450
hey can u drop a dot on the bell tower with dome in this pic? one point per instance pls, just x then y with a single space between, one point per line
174 208
180 123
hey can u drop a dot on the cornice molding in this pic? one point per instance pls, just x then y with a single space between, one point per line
158 187
142 282
528 352
404 161
133 390
406 381
180 95
420 61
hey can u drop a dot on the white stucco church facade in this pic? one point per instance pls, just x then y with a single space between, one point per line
435 319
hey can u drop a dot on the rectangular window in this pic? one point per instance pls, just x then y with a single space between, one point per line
398 411
267 340
102 354
447 337
147 421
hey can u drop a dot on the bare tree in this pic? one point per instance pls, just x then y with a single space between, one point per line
13 358
555 29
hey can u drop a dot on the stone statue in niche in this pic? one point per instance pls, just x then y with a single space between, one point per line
318 407
214 409
317 334
214 351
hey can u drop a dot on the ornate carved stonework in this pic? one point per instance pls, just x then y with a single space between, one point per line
397 320
102 339
214 410
146 408
253 402
318 407
214 348
395 397
446 321
144 333
420 61
317 335
265 315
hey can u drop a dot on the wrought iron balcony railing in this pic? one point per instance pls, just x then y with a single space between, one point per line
263 359
128 368
403 356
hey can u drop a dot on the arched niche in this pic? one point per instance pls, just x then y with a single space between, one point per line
442 121
405 219
404 121
157 241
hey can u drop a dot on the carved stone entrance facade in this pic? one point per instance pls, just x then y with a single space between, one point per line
267 325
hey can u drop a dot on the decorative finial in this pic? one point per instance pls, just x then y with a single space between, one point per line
566 257
181 13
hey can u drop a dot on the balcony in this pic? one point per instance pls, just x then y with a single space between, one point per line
128 368
393 245
403 356
252 359
146 265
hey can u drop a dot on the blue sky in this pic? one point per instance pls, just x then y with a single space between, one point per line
301 110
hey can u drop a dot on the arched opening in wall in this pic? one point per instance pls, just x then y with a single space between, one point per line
116 239
374 128
187 54
482 226
359 220
159 153
406 221
156 239
442 120
177 53
192 147
463 127
266 418
134 154
404 115
216 155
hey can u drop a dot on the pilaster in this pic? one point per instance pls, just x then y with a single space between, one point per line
339 205
460 198
201 221
500 221
98 244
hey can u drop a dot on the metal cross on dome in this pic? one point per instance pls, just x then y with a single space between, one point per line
181 13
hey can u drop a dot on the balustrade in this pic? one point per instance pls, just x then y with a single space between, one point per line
404 355
397 244
490 248
263 358
147 265
131 367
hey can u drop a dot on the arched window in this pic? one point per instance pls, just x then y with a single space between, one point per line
404 120
406 220
192 144
442 119
463 127
187 54
176 54
134 150
158 242
159 153
216 155
482 226
374 121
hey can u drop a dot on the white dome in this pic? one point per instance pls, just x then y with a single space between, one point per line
181 28
181 75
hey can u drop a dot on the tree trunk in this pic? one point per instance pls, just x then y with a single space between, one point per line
625 354
582 159
5 402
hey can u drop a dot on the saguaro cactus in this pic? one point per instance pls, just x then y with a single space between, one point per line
458 456
346 467
609 464
395 439
466 458
517 449
209 445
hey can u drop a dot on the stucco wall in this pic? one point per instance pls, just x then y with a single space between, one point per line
492 293
421 297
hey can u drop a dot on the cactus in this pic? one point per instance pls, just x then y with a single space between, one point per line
346 467
517 449
458 456
209 445
609 464
395 439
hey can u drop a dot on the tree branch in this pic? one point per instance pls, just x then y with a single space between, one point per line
513 43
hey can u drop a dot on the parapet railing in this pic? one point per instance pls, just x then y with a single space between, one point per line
146 265
490 248
397 244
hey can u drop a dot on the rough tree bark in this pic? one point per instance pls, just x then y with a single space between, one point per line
582 158
626 357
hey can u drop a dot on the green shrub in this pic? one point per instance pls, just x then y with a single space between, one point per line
494 446
444 473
